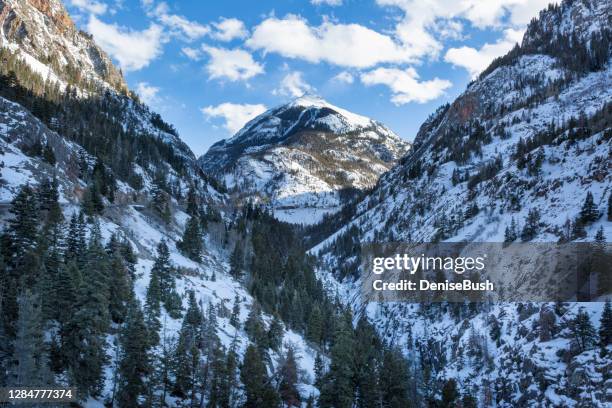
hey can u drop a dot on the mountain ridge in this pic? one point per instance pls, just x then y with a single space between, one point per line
300 156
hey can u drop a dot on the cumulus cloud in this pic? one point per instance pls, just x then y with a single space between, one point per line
133 49
405 85
425 23
293 85
328 2
148 94
234 115
179 26
233 64
90 6
344 77
475 60
228 29
350 45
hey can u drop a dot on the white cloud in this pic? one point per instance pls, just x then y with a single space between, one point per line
228 29
234 115
293 85
192 53
233 64
148 94
328 2
133 49
344 77
474 61
349 45
90 6
425 23
179 25
405 85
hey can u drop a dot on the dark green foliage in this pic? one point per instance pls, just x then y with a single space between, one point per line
511 234
187 353
258 389
582 330
450 394
191 244
96 123
589 212
288 380
235 317
237 261
337 389
29 358
532 225
610 207
134 366
605 326
282 277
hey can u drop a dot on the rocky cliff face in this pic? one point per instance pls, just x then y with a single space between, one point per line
302 156
48 40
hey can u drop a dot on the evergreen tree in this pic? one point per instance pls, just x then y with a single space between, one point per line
192 203
76 242
161 201
134 366
237 261
450 395
152 309
235 316
510 233
288 391
610 207
191 244
532 225
120 287
589 212
605 327
22 228
255 328
30 361
187 354
315 325
319 371
394 384
85 347
601 263
163 269
275 334
48 155
337 388
578 230
258 389
582 330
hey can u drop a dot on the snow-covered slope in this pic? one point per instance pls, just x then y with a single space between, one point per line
533 133
40 35
300 156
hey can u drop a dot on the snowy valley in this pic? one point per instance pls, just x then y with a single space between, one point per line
144 276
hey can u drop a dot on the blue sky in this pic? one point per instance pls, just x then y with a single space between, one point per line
208 66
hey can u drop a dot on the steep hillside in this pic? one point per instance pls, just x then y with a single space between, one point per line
46 38
300 157
524 154
125 271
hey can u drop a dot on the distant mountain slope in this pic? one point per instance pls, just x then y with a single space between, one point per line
299 157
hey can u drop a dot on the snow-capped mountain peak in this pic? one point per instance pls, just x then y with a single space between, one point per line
299 157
